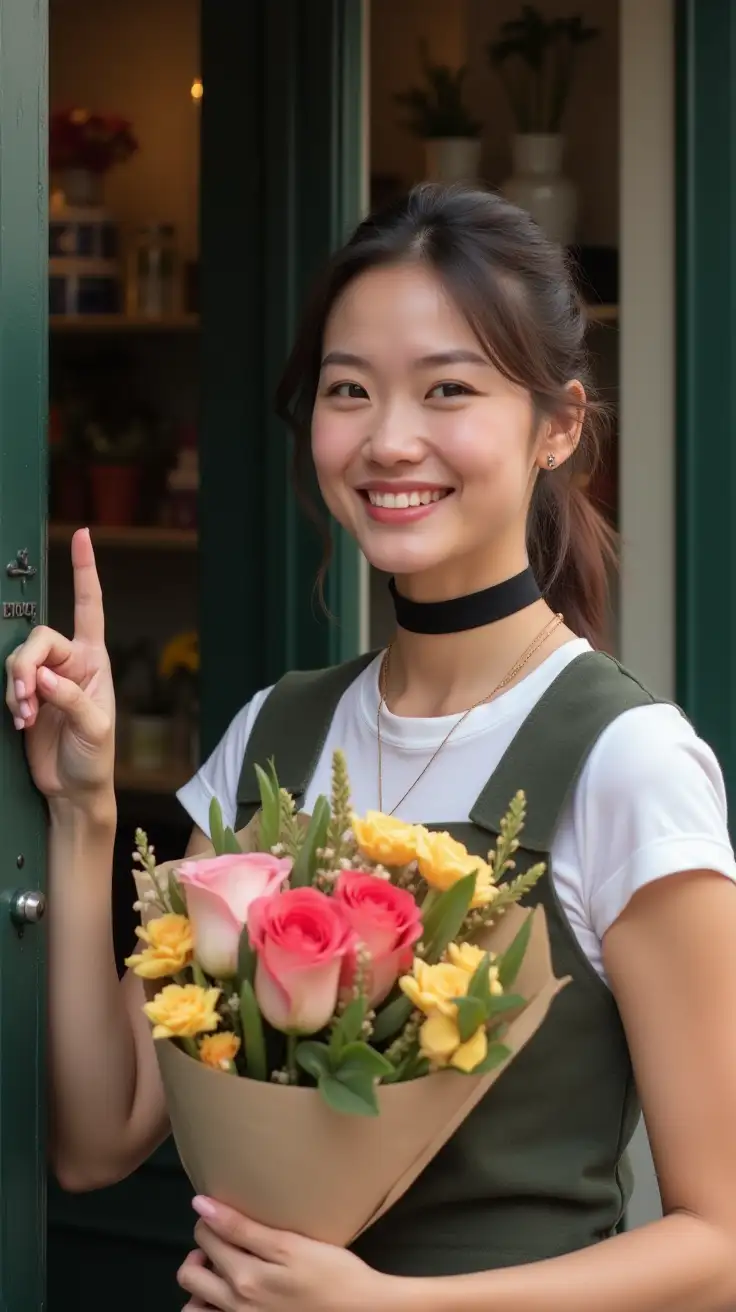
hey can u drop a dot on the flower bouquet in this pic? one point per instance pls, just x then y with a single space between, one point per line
338 994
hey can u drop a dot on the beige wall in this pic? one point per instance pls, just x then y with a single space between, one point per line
137 58
458 31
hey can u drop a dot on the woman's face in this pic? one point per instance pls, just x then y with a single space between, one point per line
424 451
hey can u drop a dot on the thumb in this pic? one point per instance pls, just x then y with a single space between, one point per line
89 720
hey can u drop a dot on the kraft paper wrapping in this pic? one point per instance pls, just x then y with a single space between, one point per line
281 1156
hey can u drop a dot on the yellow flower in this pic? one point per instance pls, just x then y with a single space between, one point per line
181 1011
442 861
432 988
170 946
385 840
440 1043
219 1050
466 956
181 653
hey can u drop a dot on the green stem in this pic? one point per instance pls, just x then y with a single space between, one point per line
190 1047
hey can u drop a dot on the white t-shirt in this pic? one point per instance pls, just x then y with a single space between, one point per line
649 802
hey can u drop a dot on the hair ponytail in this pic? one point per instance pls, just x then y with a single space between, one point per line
572 551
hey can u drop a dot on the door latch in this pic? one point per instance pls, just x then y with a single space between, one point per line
20 568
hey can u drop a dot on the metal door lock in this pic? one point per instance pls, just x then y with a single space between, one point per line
28 907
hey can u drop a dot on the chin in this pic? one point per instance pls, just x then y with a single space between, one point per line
402 559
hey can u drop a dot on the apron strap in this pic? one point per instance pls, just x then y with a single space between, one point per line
547 755
291 728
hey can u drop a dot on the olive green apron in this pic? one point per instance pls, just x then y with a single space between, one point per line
538 1168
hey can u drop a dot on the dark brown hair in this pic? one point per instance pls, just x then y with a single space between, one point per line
517 292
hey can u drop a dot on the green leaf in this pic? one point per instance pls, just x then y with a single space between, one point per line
231 845
217 832
470 1015
497 1053
506 1002
305 865
392 1019
349 1026
480 984
176 897
446 915
314 1058
270 810
254 1044
510 963
362 1059
347 1100
247 958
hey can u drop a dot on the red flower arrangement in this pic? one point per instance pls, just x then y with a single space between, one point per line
80 140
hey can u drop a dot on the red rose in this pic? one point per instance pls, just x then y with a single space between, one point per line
387 921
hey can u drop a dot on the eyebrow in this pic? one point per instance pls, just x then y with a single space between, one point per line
438 360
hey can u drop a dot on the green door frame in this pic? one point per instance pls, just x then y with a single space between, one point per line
23 386
282 184
706 372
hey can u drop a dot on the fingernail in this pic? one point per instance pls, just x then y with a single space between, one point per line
20 689
50 680
19 724
204 1206
25 710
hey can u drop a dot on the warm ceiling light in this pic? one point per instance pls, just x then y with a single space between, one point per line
197 90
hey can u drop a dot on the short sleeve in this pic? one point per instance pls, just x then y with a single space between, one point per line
220 774
651 802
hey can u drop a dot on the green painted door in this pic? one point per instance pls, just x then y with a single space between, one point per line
282 166
23 298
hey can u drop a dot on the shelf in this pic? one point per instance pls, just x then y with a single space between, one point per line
602 313
167 780
90 324
129 539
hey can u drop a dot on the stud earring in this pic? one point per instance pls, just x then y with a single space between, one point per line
551 461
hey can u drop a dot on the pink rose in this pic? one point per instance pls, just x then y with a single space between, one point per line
387 921
219 894
301 938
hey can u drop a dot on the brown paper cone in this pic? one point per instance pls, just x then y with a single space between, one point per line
283 1157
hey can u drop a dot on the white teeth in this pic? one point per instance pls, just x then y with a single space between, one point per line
402 500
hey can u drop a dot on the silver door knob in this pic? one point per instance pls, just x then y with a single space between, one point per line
28 907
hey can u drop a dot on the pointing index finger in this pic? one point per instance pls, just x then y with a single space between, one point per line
89 616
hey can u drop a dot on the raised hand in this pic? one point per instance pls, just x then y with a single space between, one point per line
61 696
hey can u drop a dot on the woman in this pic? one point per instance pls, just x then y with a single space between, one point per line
440 384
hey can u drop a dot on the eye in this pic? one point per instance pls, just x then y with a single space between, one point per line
348 391
448 391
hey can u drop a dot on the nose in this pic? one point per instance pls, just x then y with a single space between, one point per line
395 437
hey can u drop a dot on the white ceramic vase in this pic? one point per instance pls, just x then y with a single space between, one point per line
452 159
539 186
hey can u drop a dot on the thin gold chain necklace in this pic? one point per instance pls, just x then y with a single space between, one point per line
516 668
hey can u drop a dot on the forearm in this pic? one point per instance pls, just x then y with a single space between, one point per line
679 1264
92 1053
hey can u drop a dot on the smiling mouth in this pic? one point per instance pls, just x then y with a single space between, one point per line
405 500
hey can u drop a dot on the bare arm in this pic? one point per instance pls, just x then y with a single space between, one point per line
107 1103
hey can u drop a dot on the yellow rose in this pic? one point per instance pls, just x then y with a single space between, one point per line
466 956
439 1042
170 946
385 840
443 860
219 1050
181 1011
432 988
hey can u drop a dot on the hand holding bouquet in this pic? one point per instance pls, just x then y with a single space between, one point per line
345 967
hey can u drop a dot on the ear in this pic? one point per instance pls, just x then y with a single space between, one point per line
559 435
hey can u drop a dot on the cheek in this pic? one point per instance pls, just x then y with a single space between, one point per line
490 445
335 441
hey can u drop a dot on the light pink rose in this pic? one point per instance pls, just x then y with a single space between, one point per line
387 920
219 893
301 938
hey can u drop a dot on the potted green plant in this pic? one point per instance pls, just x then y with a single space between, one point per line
437 114
116 447
536 59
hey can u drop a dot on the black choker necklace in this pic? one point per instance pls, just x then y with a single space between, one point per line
469 612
